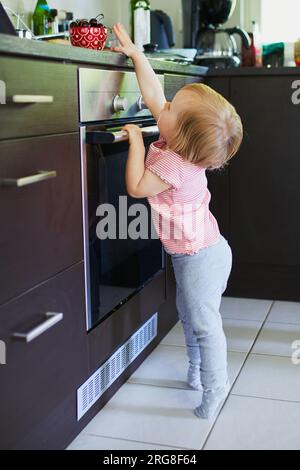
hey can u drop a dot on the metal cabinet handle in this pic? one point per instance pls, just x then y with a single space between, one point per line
27 99
99 137
27 180
52 319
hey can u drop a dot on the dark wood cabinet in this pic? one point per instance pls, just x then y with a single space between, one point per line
40 98
264 183
41 222
42 297
261 195
40 374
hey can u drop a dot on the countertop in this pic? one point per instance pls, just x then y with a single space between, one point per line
11 45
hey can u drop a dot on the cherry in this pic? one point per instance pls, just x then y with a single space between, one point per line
82 23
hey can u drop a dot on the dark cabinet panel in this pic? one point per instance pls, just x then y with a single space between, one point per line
40 374
39 98
173 83
218 180
41 222
264 177
220 84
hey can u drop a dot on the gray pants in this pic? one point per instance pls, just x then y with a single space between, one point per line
201 279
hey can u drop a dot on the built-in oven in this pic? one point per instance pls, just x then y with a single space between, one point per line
121 248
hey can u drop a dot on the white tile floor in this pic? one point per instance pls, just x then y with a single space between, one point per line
153 410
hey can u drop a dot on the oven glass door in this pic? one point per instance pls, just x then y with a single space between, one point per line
123 251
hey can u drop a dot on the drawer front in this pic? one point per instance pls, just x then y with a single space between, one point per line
37 98
40 374
41 222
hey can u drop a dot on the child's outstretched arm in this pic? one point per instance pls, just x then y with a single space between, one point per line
150 86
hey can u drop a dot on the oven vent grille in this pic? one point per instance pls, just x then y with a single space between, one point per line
102 379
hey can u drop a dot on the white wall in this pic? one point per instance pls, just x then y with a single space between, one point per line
81 8
118 10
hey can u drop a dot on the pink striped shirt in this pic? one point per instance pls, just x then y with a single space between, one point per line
180 214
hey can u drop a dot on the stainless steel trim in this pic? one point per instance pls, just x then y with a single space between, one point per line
120 104
146 132
85 225
99 137
98 88
141 103
51 320
27 99
28 180
150 131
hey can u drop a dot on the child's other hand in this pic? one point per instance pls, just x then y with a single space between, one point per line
126 45
134 133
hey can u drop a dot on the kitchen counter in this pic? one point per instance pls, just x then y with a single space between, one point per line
11 45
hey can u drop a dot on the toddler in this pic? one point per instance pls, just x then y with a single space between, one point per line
199 130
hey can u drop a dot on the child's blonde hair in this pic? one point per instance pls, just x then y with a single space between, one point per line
209 132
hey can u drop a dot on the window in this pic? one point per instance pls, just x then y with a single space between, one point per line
280 20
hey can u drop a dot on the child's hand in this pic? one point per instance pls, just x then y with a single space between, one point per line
134 133
126 45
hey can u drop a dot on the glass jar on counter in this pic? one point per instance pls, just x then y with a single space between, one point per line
297 52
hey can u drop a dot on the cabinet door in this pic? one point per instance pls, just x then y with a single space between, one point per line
218 180
41 221
264 177
37 98
40 374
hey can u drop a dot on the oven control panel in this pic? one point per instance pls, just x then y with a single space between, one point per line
110 94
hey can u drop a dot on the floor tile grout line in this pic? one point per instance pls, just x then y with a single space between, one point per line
129 381
237 376
162 386
270 355
239 351
138 442
265 398
268 322
242 319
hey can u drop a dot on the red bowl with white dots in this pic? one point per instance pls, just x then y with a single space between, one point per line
90 37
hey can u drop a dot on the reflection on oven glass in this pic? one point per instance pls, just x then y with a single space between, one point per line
118 267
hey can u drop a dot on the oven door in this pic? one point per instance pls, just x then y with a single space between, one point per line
122 249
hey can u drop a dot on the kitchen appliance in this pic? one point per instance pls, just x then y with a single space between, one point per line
117 264
216 46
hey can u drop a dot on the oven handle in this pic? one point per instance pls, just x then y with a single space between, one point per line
101 137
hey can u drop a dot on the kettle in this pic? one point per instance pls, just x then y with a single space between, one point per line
217 46
162 32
